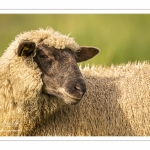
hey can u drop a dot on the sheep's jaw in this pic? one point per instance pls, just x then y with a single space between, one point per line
64 96
69 99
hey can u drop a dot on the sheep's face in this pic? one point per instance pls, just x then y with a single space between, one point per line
60 73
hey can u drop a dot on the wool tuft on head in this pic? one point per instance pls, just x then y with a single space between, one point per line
49 37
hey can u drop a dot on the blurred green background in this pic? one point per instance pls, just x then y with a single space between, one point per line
121 37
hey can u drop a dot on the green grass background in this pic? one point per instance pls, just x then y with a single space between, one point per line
121 37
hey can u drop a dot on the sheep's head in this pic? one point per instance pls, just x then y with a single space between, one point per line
60 73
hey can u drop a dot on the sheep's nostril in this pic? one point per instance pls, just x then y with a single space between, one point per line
76 90
80 89
77 87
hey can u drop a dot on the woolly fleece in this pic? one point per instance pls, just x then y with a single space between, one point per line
117 103
22 104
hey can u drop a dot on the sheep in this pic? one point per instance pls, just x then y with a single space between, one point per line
39 75
112 101
117 103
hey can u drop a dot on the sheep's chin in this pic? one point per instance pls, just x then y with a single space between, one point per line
71 101
62 95
64 98
67 98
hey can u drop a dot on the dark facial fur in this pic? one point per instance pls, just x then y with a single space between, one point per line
60 73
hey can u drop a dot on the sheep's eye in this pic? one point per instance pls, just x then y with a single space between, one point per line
43 56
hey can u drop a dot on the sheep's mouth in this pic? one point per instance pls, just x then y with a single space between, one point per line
65 99
69 99
64 96
72 101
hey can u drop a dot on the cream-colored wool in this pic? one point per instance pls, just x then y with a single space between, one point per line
117 103
22 104
47 36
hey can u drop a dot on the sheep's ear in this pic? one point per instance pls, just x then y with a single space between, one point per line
84 53
26 48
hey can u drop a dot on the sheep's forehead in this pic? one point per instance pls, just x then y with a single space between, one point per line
50 38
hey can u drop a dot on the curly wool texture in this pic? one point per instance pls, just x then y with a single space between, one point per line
47 36
22 103
117 103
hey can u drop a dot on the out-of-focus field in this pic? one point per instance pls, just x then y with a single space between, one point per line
121 37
